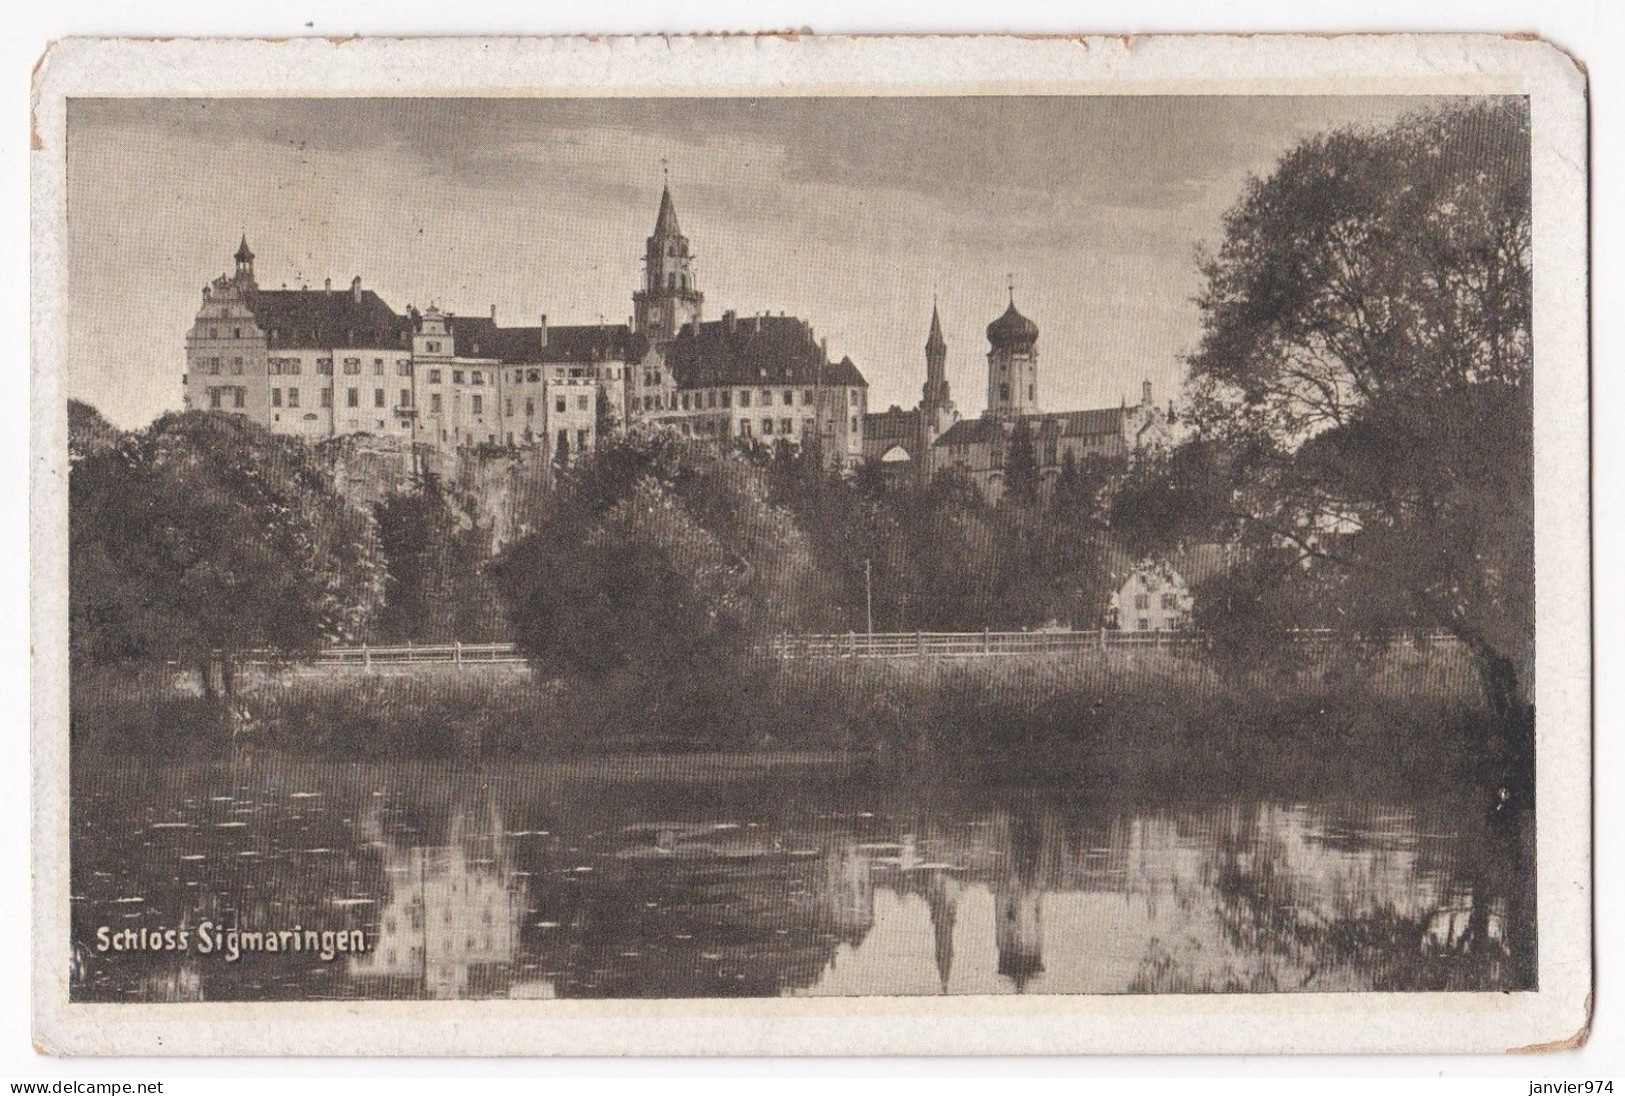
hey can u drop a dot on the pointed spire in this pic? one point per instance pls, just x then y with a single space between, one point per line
666 222
244 255
935 341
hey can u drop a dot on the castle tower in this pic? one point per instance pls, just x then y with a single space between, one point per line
668 299
245 263
1012 364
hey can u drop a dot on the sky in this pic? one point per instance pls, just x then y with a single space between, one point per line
852 213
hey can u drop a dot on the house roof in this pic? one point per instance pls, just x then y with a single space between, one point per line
320 319
1067 424
480 337
755 350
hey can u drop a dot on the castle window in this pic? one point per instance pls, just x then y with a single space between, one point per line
324 366
581 403
434 376
671 281
507 407
378 366
1170 601
478 377
789 398
727 399
1004 391
581 440
273 366
431 347
807 398
352 366
378 397
808 426
237 366
711 398
214 399
456 376
327 398
787 426
352 397
685 401
434 403
854 427
1145 625
767 397
744 397
293 366
214 367
276 397
406 397
533 376
744 428
530 409
236 332
1142 601
293 397
1032 392
479 404
403 368
767 426
237 395
558 404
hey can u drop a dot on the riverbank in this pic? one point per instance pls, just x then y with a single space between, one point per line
1141 716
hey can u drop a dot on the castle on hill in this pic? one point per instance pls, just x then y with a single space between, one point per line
321 363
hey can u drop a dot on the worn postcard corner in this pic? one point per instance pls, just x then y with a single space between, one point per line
806 545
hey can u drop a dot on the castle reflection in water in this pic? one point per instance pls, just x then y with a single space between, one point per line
1019 898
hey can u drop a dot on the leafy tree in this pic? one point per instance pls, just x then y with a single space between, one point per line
1021 465
205 536
1360 401
437 590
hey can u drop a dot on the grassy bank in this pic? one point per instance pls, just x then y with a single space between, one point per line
1150 716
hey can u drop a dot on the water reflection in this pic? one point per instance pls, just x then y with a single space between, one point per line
451 920
520 885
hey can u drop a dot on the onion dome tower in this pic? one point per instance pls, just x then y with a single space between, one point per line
1012 364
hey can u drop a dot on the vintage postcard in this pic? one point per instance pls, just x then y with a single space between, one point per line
784 545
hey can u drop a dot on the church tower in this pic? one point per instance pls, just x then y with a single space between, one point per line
1012 364
668 299
937 412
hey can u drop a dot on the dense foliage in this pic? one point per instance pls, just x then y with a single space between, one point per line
1360 403
205 536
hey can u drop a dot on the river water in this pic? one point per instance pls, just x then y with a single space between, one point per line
704 877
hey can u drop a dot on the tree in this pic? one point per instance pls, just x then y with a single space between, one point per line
1360 400
204 536
437 590
1021 466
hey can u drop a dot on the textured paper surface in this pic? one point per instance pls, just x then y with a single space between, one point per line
1555 1015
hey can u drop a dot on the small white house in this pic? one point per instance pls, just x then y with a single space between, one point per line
1152 599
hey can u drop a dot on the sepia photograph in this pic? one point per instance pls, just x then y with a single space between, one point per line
673 547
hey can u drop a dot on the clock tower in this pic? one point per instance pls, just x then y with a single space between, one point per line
668 299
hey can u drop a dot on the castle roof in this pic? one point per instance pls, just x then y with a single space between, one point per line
480 337
1012 329
894 424
755 350
322 319
1067 424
